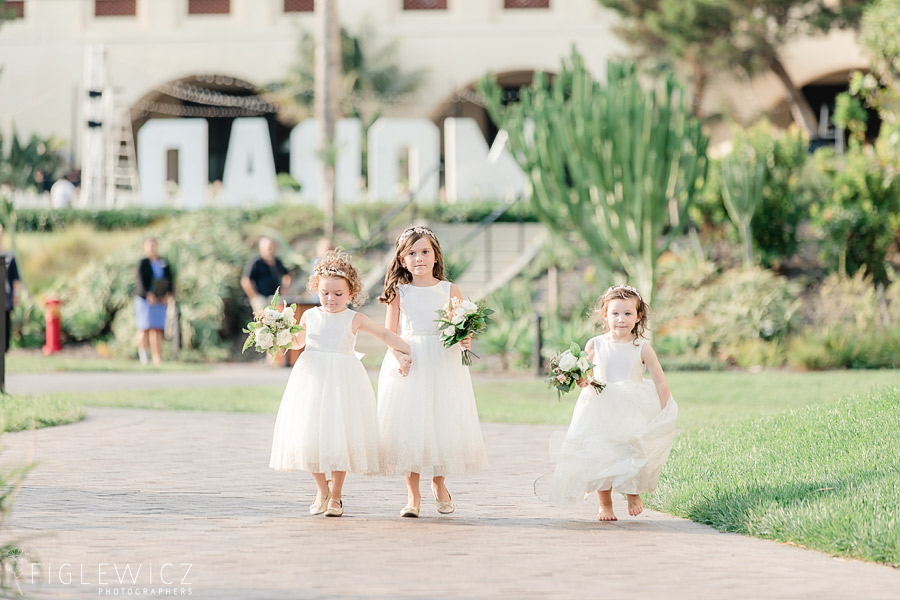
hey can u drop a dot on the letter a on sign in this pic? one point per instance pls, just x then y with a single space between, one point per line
249 166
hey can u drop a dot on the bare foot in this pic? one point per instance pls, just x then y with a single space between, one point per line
635 505
607 514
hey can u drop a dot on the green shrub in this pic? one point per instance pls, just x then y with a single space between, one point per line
840 347
736 316
511 334
50 219
861 218
27 325
574 323
207 253
850 323
785 200
784 197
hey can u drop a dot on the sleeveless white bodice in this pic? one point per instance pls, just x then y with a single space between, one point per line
618 362
418 306
330 332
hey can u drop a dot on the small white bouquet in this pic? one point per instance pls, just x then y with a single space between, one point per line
272 330
566 368
461 319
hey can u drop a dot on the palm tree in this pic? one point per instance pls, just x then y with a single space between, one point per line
370 79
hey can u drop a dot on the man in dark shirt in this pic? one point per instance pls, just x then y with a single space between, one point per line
264 275
12 285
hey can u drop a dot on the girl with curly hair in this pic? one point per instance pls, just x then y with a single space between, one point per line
327 418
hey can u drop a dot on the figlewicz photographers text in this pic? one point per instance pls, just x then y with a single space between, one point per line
118 579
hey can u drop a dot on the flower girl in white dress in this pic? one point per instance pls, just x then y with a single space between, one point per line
327 418
428 421
620 438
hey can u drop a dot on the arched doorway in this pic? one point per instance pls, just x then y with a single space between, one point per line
821 93
465 102
220 99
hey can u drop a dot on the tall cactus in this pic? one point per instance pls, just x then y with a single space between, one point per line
618 164
743 179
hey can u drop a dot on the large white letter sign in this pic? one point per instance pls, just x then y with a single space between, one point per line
387 137
190 137
306 163
249 165
474 172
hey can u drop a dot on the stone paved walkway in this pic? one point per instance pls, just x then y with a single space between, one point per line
186 502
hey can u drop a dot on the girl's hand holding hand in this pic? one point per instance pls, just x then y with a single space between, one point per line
466 343
151 298
405 364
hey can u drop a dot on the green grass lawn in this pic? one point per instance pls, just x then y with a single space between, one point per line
24 412
705 399
825 477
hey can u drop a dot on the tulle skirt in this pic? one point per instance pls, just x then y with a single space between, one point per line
618 439
428 421
327 418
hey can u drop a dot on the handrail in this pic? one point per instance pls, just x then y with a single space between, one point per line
396 211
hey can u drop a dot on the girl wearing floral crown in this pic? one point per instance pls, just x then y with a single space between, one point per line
327 418
619 438
428 421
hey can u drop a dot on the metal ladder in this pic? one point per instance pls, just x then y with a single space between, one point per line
121 163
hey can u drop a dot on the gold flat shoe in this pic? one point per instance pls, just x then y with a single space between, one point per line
336 511
445 508
410 511
317 508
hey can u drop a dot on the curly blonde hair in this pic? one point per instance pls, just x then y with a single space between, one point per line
397 273
336 263
624 292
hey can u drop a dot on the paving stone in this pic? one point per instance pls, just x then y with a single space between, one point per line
190 493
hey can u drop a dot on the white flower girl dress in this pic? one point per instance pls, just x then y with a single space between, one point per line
327 418
620 438
428 421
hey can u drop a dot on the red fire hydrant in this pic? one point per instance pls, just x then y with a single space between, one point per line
52 322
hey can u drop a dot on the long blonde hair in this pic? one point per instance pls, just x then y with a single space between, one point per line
397 273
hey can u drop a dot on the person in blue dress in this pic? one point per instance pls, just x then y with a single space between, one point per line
155 287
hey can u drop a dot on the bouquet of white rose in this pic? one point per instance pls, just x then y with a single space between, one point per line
271 329
566 368
460 319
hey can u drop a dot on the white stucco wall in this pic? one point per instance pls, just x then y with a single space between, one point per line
42 55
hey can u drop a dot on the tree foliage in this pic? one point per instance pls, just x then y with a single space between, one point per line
371 78
705 37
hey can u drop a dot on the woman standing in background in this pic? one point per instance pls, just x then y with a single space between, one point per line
155 287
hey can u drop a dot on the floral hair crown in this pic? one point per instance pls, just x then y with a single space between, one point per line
626 288
329 272
417 229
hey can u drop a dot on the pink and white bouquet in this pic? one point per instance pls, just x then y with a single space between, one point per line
566 368
461 319
271 329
